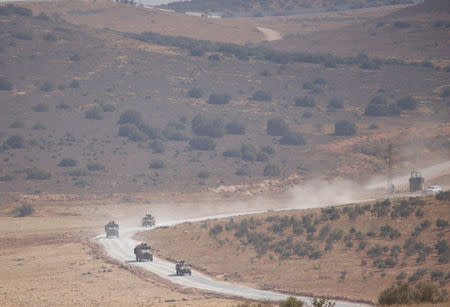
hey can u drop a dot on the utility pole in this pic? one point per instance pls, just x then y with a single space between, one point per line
390 186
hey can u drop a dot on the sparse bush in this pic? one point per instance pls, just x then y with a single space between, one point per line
445 92
307 115
306 101
291 302
132 133
203 174
22 36
50 37
215 230
335 103
218 99
271 170
94 113
17 10
379 106
157 164
235 127
401 24
22 211
268 149
5 85
443 196
293 138
39 126
95 166
173 134
38 174
80 172
108 107
40 107
63 106
43 16
243 171
157 146
205 126
232 153
197 52
67 162
419 213
407 103
195 93
370 64
75 84
344 128
75 58
150 131
82 183
17 124
417 275
214 57
15 142
47 86
6 177
277 127
262 96
130 117
441 224
202 143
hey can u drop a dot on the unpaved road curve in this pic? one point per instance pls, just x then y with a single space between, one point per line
122 250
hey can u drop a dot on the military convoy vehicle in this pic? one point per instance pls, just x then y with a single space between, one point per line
183 268
148 221
143 252
112 229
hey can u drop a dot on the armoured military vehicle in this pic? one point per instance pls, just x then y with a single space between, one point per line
112 229
183 268
143 252
148 221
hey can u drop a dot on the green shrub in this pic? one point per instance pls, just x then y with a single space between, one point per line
157 146
271 170
173 134
17 124
108 107
40 107
261 96
243 171
15 142
195 93
232 153
379 106
94 113
67 162
22 36
400 293
75 58
401 276
215 230
6 177
95 166
407 103
306 101
39 126
50 37
335 103
203 174
218 99
5 85
214 57
235 127
130 117
440 223
22 211
401 24
417 275
75 84
277 127
291 302
202 143
47 86
344 128
205 126
132 133
80 172
293 138
157 164
38 174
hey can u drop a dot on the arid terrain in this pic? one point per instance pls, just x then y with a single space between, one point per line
109 111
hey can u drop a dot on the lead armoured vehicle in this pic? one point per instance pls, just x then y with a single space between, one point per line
112 229
143 252
148 221
183 268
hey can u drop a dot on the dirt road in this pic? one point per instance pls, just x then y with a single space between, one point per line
122 250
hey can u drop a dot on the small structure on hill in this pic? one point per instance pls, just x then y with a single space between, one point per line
416 182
